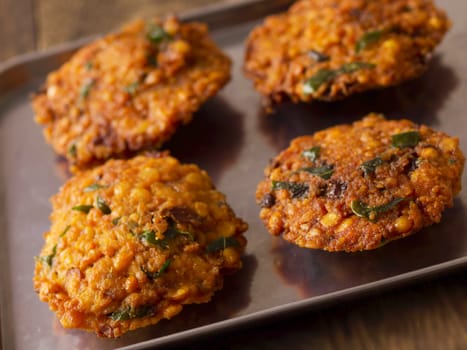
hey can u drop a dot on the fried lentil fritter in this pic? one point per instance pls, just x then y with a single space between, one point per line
130 90
132 241
328 49
356 187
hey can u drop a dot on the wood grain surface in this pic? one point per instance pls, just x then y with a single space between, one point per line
427 315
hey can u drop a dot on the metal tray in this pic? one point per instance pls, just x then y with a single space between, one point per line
233 140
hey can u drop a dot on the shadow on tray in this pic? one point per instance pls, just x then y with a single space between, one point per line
212 140
317 272
226 303
420 100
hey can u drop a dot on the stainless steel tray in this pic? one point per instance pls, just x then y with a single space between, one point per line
236 142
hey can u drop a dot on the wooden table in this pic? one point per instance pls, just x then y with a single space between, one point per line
426 315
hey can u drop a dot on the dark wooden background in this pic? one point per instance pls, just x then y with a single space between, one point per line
430 314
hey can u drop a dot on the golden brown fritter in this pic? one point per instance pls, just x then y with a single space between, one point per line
357 187
132 241
130 90
328 49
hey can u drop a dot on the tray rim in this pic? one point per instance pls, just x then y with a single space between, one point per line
190 15
237 322
304 305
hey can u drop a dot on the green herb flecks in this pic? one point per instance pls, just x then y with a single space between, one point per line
149 236
324 75
94 187
116 220
128 313
312 153
172 231
318 56
85 89
297 189
452 161
158 273
156 34
88 65
65 231
221 244
370 166
406 139
355 66
367 40
324 171
84 208
103 206
371 213
48 259
121 315
131 89
72 151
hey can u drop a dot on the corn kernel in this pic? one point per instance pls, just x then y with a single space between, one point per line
201 209
121 188
122 259
51 91
226 228
142 126
131 284
275 174
107 95
390 44
330 219
180 294
403 224
314 232
194 178
449 144
181 46
434 22
139 194
345 224
429 153
231 255
363 78
172 310
150 175
275 222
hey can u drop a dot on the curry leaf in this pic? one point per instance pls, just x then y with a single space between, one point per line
312 153
156 34
84 208
158 273
406 139
325 75
128 313
370 166
297 189
368 39
371 213
324 171
221 244
103 206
